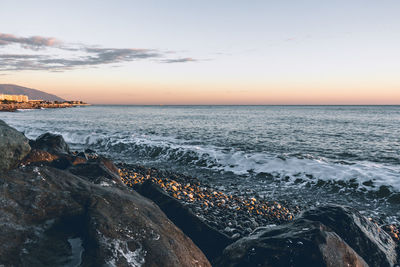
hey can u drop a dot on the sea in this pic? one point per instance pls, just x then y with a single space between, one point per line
305 155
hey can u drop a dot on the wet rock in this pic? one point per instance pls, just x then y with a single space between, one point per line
96 170
373 244
59 160
301 243
82 155
209 240
394 198
324 236
52 143
14 146
50 217
384 191
36 155
79 160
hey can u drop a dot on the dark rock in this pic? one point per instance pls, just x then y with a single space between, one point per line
61 163
14 146
324 236
82 155
50 217
300 243
373 244
36 155
394 198
209 240
96 170
79 160
384 191
90 153
52 143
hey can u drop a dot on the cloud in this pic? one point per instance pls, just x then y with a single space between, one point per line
179 60
33 42
111 55
53 55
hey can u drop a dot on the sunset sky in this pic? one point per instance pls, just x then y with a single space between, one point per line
204 52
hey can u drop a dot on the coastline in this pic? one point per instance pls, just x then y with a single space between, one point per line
223 226
12 107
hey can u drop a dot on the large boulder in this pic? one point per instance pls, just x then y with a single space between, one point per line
14 146
50 217
300 243
209 240
324 236
373 244
52 143
51 149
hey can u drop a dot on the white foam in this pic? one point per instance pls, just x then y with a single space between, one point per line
241 163
189 152
119 248
323 169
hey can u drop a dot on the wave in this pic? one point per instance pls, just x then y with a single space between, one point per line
143 148
192 154
25 109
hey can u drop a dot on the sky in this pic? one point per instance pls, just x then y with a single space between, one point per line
204 52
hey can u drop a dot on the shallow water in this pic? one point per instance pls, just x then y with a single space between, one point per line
305 154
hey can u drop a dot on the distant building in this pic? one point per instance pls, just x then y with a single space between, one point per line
16 98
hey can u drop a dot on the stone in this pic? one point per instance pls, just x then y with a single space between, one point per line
330 235
373 244
50 217
96 170
36 155
299 243
209 240
52 143
14 146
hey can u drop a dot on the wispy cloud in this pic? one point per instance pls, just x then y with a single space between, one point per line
33 42
179 60
48 53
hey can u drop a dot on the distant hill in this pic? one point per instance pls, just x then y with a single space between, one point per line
12 89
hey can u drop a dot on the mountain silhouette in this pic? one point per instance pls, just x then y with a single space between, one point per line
33 94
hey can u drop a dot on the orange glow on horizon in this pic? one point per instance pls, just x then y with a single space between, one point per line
97 89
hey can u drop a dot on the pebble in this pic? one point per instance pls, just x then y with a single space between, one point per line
237 212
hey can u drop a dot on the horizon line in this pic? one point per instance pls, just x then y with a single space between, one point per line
161 105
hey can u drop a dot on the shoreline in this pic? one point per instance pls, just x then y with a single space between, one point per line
12 107
237 216
140 206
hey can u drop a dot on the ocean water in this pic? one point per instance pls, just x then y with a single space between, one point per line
308 155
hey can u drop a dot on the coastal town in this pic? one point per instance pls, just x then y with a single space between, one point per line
15 102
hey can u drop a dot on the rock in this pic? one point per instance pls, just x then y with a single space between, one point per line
373 244
14 146
82 155
50 217
325 236
299 243
209 240
52 143
97 170
36 155
79 160
61 161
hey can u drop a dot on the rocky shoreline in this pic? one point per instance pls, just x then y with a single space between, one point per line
11 107
235 216
60 208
